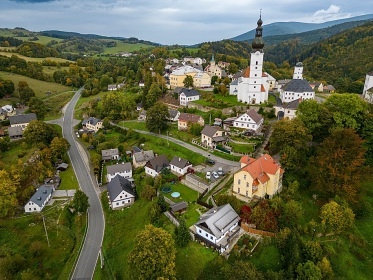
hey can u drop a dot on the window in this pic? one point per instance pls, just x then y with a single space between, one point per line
238 190
206 235
244 177
34 209
247 185
117 203
211 237
239 182
29 209
256 62
247 193
120 196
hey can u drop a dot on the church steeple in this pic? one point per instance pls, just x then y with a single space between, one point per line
258 43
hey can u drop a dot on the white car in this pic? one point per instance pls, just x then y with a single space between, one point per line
215 174
208 175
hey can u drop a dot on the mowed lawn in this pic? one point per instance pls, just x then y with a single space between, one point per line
34 59
125 47
120 234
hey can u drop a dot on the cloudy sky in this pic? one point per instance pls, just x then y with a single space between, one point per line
169 21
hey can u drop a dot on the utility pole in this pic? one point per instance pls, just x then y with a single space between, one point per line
46 233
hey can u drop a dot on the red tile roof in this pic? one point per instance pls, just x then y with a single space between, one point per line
261 167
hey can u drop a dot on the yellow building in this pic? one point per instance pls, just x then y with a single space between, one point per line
257 178
200 79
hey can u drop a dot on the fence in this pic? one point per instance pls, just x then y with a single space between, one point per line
249 229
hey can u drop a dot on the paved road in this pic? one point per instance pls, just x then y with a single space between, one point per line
86 264
190 147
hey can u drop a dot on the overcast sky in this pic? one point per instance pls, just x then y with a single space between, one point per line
169 22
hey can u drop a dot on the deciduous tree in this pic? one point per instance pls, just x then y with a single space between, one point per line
188 81
182 233
156 117
38 107
80 202
39 132
8 196
154 255
336 217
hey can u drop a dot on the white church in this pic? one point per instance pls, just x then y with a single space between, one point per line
368 87
253 85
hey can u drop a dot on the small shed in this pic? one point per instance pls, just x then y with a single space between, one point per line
179 207
62 167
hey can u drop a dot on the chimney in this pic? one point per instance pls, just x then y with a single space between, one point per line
179 159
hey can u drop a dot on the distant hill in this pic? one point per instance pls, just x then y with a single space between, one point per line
283 28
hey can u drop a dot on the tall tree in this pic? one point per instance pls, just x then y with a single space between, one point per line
188 81
59 147
336 217
308 271
38 107
154 255
156 117
38 132
80 202
8 198
337 168
182 233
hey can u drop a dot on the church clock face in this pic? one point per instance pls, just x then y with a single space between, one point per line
257 53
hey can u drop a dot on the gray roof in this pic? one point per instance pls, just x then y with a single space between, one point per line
218 220
117 185
143 156
109 153
179 162
173 113
209 130
178 90
370 73
234 83
112 169
237 75
293 104
15 131
91 120
254 115
189 92
19 119
297 85
158 163
179 206
41 194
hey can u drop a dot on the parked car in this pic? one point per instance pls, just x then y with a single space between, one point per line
220 171
208 175
210 161
215 174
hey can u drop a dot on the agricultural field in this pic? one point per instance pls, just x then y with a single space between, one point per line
125 47
34 59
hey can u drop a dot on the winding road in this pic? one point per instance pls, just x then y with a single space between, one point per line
89 253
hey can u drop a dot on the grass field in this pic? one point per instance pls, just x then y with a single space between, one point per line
34 59
51 69
24 239
125 47
40 87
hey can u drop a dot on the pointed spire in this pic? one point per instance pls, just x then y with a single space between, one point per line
258 43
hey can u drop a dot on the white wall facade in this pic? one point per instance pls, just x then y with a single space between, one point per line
124 199
287 96
367 85
151 172
125 174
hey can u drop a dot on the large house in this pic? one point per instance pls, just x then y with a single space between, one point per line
120 193
260 177
92 123
139 159
368 87
179 166
212 136
218 227
200 78
15 132
187 95
124 170
287 110
21 120
155 166
173 115
317 86
110 154
253 86
250 120
185 120
39 199
297 87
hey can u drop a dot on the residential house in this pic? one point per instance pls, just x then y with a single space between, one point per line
202 80
39 199
179 207
92 123
212 136
260 177
286 110
15 132
215 70
124 170
155 165
6 111
329 89
110 154
368 87
111 87
250 120
139 159
297 87
120 193
187 95
317 86
281 83
218 227
178 76
173 115
186 119
21 120
179 166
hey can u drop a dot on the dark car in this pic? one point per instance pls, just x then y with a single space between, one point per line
210 161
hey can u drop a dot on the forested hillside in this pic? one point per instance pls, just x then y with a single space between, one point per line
342 60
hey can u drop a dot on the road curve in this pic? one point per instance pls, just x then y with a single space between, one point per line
89 253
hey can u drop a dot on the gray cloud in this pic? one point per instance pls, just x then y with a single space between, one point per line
34 1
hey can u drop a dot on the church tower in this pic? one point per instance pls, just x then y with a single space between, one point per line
298 71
